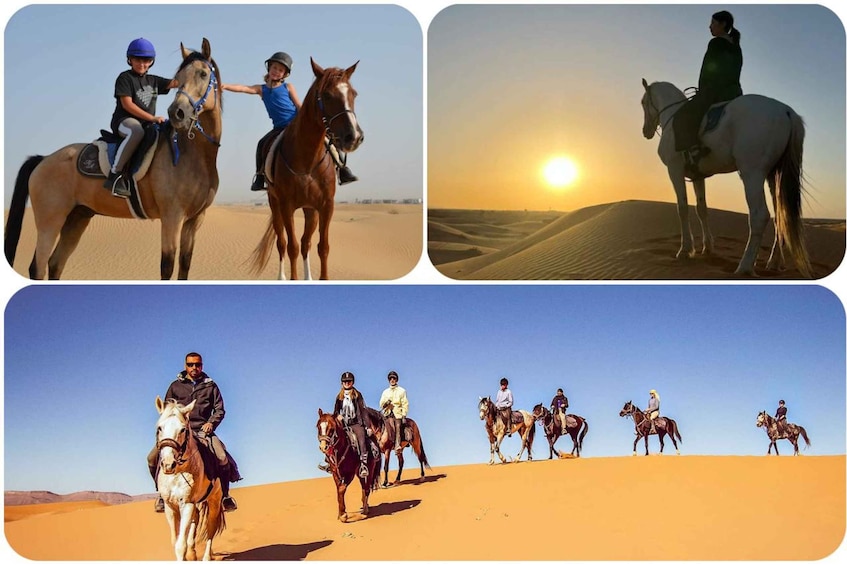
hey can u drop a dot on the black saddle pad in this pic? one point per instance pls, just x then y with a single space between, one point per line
713 116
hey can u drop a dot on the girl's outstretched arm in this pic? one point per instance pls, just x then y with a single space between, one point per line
244 89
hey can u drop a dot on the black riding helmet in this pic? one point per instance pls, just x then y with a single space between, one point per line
348 376
393 374
281 58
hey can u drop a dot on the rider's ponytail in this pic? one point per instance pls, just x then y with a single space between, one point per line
728 22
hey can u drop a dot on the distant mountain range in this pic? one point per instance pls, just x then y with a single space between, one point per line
21 497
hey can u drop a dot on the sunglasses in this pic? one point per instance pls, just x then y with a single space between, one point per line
194 364
346 382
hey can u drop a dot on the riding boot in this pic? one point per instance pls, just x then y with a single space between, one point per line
160 505
258 183
117 184
227 502
363 468
345 175
324 467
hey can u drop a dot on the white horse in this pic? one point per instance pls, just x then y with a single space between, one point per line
759 137
192 501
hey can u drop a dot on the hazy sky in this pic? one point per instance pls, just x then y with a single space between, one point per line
511 86
61 63
85 363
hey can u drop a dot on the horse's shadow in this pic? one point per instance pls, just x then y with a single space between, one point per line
277 552
391 508
419 480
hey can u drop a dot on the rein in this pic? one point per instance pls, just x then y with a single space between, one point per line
176 446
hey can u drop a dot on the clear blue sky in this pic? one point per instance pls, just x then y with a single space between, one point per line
84 364
510 86
61 62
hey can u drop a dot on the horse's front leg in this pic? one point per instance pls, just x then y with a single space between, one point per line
686 247
758 219
341 489
186 512
309 228
635 444
186 244
366 491
497 443
293 246
703 216
171 226
323 243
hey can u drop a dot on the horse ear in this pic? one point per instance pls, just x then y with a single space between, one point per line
316 68
320 412
185 52
349 72
207 49
644 83
160 404
190 407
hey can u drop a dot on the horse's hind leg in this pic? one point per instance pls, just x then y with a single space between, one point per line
754 193
309 228
186 244
72 231
686 247
293 246
703 216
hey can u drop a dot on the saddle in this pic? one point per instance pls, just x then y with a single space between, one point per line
96 158
354 443
270 144
517 417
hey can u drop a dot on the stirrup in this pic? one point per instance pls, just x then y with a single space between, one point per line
345 175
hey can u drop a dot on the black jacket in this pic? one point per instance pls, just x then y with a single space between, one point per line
210 404
720 73
362 417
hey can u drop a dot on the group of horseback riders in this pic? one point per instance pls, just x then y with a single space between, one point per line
504 401
352 413
193 385
136 91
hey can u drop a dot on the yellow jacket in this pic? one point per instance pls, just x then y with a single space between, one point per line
397 396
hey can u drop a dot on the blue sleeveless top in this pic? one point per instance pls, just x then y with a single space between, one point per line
278 103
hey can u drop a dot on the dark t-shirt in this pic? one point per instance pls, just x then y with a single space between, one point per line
143 90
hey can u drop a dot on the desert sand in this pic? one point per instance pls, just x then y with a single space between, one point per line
606 508
630 240
367 242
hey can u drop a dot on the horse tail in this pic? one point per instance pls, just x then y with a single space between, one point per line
262 254
530 437
802 431
583 433
787 175
676 431
211 522
422 454
18 206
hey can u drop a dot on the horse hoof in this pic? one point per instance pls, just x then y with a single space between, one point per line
343 518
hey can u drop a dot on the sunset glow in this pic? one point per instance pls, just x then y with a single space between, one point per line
560 172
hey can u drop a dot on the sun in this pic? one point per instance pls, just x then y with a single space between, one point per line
560 172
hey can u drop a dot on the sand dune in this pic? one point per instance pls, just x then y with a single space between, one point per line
368 242
620 241
613 508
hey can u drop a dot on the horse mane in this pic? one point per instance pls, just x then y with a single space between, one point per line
331 76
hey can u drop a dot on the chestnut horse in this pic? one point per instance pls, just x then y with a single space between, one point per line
385 439
64 201
553 428
302 174
522 422
192 500
344 461
642 428
792 432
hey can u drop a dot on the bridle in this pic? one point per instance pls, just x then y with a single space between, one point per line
197 105
327 121
180 448
658 112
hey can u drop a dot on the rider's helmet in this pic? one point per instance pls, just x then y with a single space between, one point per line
504 381
560 391
348 377
141 48
782 402
281 58
393 375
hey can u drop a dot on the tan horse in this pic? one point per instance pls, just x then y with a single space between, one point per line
385 439
192 501
303 174
496 429
64 201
